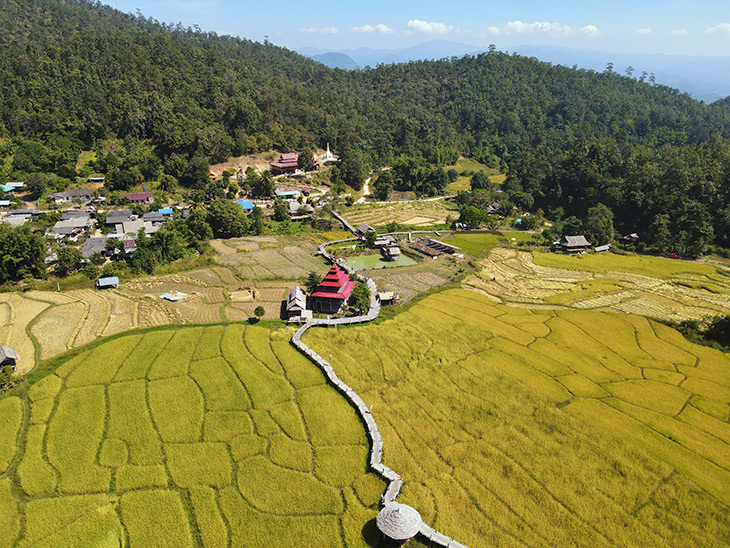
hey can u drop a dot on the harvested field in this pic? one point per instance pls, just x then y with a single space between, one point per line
557 428
417 213
18 312
410 281
513 277
122 460
272 257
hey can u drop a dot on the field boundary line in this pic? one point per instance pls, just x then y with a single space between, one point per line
394 480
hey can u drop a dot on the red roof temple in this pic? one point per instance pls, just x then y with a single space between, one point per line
333 291
288 163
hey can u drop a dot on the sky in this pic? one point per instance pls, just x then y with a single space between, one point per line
693 27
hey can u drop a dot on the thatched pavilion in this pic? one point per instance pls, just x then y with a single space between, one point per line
398 522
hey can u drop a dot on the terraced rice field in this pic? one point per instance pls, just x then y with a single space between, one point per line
514 427
416 214
216 436
660 288
271 257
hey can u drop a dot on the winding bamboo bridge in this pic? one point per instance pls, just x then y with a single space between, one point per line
394 480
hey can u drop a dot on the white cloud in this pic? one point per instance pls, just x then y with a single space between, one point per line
382 29
431 28
643 31
325 30
519 27
678 32
590 30
493 30
721 28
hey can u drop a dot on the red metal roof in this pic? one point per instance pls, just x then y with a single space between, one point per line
344 293
137 195
336 285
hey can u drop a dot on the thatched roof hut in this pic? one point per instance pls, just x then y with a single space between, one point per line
398 521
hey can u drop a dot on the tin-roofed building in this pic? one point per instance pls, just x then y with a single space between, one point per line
108 282
574 244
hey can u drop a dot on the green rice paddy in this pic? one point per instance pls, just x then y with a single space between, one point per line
542 428
215 436
372 262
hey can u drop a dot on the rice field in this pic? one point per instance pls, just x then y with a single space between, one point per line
271 257
665 289
416 214
546 427
185 437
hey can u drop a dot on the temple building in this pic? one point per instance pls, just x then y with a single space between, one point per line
334 290
288 163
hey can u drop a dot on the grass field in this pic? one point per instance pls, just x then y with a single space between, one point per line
650 286
464 182
547 428
475 244
185 437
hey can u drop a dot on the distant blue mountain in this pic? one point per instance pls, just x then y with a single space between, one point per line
335 60
706 78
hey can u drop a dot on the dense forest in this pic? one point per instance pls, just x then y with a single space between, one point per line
157 100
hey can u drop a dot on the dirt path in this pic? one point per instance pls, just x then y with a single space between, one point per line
365 191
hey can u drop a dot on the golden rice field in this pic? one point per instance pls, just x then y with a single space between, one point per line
416 214
514 427
666 289
186 437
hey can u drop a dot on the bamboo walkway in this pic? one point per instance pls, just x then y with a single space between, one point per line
395 482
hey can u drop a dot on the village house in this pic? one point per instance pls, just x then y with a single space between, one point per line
71 228
296 305
334 290
573 244
365 228
115 219
93 245
72 195
138 197
287 192
12 187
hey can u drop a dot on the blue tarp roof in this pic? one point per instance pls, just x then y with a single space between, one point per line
7 188
245 204
165 210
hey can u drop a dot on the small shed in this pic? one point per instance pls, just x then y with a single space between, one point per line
107 283
8 356
398 521
390 253
365 228
602 248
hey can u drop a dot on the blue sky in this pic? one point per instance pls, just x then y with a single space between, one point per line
698 27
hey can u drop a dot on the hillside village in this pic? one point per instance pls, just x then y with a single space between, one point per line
250 300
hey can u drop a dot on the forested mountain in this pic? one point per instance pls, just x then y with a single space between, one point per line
153 98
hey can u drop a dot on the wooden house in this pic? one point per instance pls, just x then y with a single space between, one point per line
574 244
